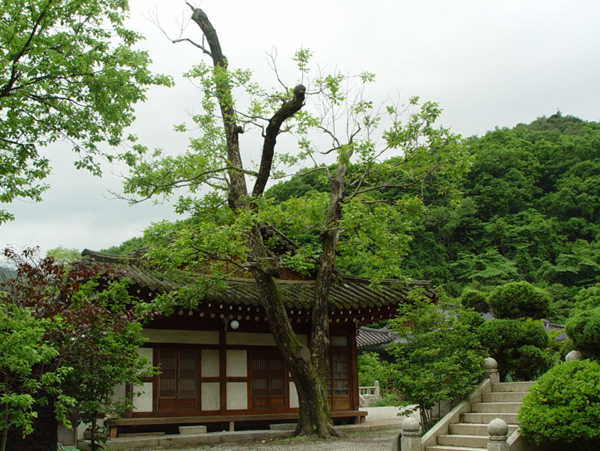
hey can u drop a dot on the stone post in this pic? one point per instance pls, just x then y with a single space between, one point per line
411 435
377 391
498 431
573 355
490 367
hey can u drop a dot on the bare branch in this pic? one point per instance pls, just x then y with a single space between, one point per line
287 110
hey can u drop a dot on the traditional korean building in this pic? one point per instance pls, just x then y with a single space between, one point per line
219 363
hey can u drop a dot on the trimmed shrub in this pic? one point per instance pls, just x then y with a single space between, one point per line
564 407
584 329
475 299
519 300
519 347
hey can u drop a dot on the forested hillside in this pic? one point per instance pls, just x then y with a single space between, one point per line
529 210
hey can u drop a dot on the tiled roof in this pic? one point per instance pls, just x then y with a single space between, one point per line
369 339
346 294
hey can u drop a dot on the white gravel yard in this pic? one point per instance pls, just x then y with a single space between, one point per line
386 413
355 441
367 441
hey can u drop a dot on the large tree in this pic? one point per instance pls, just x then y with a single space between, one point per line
231 230
68 71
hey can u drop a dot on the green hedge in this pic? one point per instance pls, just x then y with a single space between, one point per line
564 407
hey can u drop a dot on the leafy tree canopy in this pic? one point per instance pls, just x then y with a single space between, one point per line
68 72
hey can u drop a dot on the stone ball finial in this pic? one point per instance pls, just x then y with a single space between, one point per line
410 426
490 364
498 429
573 355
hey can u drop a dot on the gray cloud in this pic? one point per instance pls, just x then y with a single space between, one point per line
488 64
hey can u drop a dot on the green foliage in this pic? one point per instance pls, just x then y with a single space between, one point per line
519 300
519 347
373 228
372 368
474 299
440 358
127 246
564 407
587 298
76 340
584 329
529 212
107 357
64 256
68 71
488 267
24 352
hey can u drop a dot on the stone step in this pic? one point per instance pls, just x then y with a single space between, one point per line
485 418
452 448
507 396
466 441
475 429
496 407
512 386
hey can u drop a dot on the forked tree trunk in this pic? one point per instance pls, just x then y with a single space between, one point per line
309 367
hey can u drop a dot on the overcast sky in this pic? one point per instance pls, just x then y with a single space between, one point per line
488 63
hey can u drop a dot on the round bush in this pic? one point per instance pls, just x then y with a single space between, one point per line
475 299
564 406
584 329
519 300
519 347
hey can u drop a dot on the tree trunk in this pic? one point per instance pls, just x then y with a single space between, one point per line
309 367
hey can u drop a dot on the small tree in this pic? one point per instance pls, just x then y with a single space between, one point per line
107 356
27 372
90 348
519 347
584 329
441 358
474 299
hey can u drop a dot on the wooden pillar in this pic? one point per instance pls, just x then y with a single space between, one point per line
223 368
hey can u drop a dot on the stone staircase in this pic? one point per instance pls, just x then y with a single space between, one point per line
470 434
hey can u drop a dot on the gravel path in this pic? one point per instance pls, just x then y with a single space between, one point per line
365 441
361 441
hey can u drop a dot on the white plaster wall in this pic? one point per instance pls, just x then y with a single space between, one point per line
119 392
210 363
143 402
293 396
148 353
207 337
250 339
237 395
339 341
211 397
237 365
